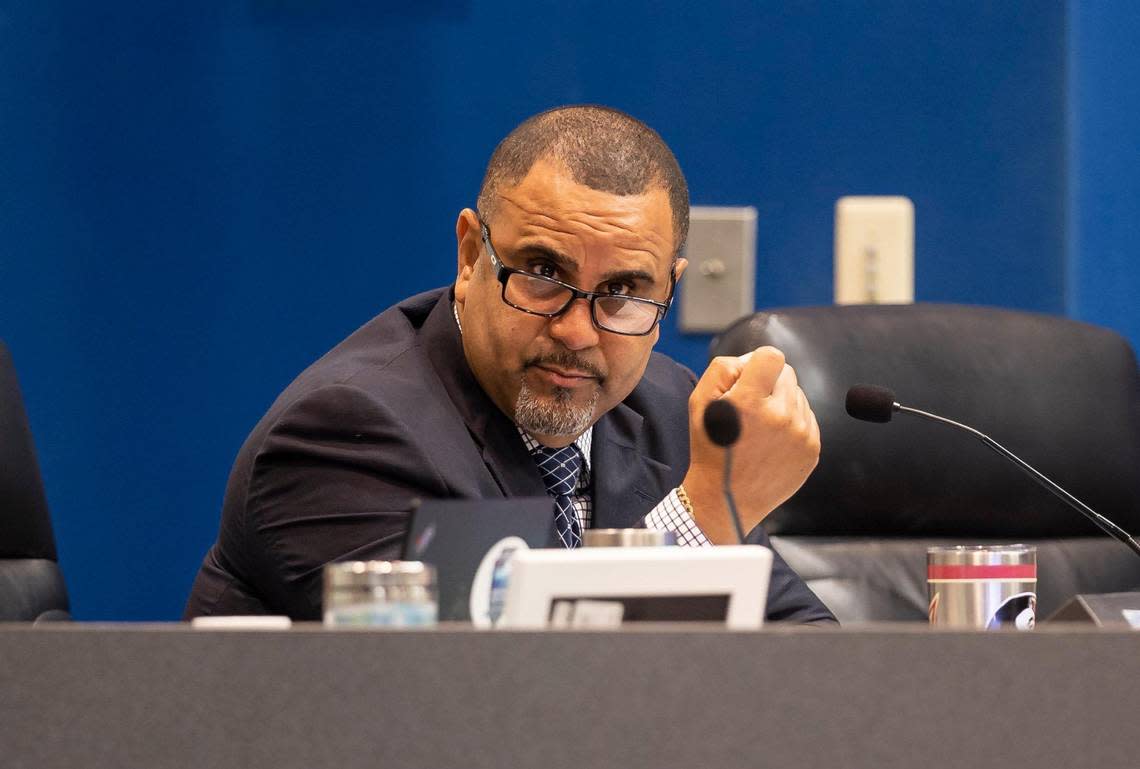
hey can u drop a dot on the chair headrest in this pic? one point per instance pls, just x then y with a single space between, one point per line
1061 394
24 520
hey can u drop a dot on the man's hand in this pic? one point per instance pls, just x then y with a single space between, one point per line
777 449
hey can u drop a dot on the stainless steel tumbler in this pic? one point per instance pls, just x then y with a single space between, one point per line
628 538
982 587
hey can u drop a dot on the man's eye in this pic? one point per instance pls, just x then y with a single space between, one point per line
545 269
618 288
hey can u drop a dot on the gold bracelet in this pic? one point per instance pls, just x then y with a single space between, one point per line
684 497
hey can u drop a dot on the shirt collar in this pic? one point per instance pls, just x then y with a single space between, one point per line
583 442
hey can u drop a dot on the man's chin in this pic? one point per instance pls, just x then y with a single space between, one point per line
556 411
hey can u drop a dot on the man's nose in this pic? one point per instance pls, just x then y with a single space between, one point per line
575 328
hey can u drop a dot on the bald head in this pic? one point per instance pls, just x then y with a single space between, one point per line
601 148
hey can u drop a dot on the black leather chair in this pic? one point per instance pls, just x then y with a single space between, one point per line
1061 394
31 583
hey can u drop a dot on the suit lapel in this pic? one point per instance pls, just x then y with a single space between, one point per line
508 460
627 482
503 450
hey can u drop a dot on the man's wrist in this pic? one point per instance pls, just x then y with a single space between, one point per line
687 503
673 514
710 511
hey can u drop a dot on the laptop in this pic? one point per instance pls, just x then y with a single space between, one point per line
456 535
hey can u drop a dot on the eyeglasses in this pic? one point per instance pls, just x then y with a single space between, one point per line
540 295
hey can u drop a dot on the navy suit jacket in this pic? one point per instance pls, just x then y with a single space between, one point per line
392 413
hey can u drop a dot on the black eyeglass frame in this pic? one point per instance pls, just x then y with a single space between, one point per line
503 274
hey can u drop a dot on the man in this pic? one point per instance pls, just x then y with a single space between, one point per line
538 359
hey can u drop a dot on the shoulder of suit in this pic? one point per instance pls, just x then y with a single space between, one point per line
664 388
385 343
664 372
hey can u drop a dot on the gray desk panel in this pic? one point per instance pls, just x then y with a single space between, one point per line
156 697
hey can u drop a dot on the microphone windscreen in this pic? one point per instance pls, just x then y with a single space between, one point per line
722 422
871 403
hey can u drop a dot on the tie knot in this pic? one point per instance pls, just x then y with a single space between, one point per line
560 468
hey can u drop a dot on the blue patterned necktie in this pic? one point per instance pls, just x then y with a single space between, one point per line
560 469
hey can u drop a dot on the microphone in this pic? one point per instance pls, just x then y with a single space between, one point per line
722 423
872 403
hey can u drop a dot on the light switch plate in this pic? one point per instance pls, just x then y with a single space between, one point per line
720 283
874 250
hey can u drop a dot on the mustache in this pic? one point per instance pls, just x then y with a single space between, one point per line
565 359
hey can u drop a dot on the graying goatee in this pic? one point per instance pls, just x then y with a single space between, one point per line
558 415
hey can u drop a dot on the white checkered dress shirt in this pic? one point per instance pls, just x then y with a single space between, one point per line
669 514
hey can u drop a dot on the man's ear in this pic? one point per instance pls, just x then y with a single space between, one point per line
468 242
679 265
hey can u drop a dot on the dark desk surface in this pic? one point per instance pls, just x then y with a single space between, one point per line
880 696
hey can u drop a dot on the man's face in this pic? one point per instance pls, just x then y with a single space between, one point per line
556 376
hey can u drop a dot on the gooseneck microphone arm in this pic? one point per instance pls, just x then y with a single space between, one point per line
722 423
1107 526
729 497
867 402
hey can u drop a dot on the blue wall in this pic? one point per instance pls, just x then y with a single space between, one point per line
198 201
1104 234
